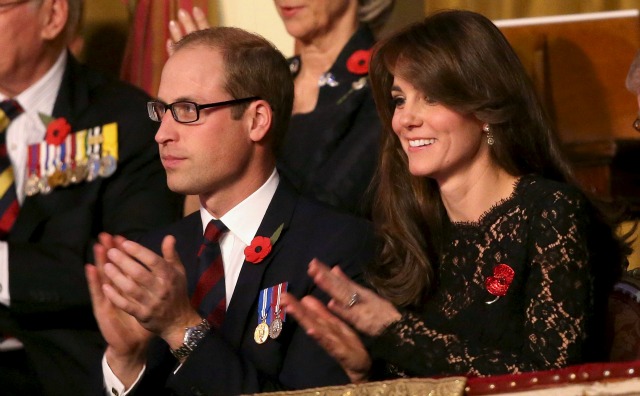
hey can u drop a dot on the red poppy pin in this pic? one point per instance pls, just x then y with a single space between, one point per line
57 129
358 62
261 246
499 283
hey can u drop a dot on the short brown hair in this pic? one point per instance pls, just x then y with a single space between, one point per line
253 67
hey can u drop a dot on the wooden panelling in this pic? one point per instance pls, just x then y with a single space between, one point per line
578 64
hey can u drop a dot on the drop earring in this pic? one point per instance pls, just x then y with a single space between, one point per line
490 139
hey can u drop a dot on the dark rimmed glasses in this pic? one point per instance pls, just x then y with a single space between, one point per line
186 112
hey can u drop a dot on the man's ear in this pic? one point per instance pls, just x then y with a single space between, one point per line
53 18
261 118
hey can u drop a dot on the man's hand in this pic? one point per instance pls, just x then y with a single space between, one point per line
151 288
127 339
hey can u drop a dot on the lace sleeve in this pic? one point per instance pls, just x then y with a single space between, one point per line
557 296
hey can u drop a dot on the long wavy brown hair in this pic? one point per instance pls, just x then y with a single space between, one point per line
461 60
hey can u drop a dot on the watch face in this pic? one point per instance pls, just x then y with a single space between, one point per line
188 335
194 334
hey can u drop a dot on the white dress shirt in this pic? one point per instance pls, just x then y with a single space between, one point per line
28 129
242 221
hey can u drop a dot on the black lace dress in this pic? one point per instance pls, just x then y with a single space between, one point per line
549 262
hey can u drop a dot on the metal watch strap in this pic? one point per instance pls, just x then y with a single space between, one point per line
192 337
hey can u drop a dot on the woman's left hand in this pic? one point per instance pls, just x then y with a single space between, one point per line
359 306
336 337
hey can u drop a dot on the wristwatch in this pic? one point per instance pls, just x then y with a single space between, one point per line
192 337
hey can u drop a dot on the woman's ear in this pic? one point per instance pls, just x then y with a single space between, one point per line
53 17
261 119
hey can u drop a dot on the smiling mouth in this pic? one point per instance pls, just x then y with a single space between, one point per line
289 10
421 142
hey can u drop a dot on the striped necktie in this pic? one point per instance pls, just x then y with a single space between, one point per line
9 207
209 296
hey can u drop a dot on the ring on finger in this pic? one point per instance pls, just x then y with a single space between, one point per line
355 298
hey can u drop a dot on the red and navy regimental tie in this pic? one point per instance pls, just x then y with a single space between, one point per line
9 207
209 294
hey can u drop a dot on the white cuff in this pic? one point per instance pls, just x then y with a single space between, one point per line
112 385
4 273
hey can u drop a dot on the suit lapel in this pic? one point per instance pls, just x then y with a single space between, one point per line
73 97
240 313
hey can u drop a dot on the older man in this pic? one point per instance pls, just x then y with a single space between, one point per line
76 158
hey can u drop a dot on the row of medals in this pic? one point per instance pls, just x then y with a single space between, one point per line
88 170
264 331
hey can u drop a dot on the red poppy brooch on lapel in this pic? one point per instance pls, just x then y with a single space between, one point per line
499 283
358 62
261 246
57 129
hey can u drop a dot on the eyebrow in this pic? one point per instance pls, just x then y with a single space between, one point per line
184 99
396 88
178 99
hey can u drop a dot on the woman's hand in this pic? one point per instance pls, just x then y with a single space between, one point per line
185 24
359 306
339 340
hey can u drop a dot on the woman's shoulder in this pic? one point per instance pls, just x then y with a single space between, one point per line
538 190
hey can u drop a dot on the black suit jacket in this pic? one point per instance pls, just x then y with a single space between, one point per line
229 361
52 238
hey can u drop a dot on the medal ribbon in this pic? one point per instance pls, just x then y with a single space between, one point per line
72 151
275 301
262 306
110 140
81 147
43 159
50 161
34 159
64 153
94 141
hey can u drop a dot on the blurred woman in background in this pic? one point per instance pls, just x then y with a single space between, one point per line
331 149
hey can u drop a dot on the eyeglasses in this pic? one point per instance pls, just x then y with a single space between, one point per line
13 3
186 112
636 123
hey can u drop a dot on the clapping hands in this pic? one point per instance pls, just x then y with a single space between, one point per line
352 306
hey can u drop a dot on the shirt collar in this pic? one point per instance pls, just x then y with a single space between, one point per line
244 219
41 96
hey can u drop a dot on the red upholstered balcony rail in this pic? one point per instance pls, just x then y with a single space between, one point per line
584 373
